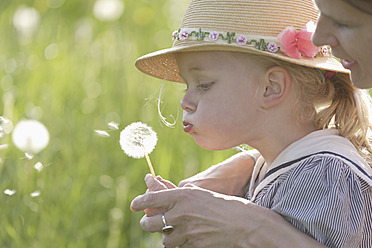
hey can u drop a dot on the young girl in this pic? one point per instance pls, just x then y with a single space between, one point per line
253 77
346 26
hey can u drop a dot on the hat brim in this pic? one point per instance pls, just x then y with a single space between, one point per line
162 64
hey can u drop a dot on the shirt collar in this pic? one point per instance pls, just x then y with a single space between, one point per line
327 140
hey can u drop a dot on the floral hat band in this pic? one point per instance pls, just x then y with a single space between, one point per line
277 28
293 43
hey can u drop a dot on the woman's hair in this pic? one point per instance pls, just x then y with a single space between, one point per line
362 5
332 102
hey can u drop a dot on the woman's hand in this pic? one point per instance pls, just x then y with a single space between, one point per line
229 177
202 218
156 184
193 213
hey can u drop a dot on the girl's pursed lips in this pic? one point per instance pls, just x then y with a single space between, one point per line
187 127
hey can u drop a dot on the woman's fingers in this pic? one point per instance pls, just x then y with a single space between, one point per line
153 184
174 239
156 199
167 183
171 239
152 223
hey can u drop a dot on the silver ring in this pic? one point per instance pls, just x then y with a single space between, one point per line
166 228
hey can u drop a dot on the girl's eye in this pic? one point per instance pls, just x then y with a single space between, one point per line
340 25
205 86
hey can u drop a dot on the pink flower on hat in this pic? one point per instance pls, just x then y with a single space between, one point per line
183 34
213 35
272 47
241 40
297 44
174 35
325 51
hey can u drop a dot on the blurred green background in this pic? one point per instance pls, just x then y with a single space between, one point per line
70 65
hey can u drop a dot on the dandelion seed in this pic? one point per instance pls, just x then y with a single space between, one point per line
114 125
29 156
6 126
9 192
4 146
35 194
102 133
39 166
138 140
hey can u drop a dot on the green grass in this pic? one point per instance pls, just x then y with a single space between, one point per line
80 85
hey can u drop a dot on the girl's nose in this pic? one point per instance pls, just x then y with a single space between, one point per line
187 103
324 33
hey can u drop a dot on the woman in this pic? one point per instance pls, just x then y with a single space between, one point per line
346 25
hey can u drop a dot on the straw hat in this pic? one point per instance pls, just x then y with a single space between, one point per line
250 26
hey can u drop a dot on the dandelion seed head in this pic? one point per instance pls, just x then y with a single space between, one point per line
108 10
138 140
30 136
26 20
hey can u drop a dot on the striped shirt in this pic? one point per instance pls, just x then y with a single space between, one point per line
322 186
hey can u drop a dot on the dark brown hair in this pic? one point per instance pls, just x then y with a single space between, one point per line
362 5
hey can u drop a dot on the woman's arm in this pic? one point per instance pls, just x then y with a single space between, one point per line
229 177
202 218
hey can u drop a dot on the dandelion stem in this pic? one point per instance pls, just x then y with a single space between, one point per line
150 165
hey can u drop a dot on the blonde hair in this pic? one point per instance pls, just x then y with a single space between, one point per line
331 102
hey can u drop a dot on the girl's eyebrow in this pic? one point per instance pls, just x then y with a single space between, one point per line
192 69
328 17
196 68
333 19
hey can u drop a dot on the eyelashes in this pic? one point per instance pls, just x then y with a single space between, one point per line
339 25
203 86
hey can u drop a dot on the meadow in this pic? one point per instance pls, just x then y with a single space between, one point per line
70 66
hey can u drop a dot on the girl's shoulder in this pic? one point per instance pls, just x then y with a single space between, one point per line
318 192
319 176
331 168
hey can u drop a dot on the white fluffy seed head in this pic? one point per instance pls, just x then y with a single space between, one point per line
138 140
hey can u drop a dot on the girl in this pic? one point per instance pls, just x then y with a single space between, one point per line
267 86
345 25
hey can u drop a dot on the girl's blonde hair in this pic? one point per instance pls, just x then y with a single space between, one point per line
332 101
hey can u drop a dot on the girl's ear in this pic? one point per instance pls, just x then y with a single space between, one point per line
277 82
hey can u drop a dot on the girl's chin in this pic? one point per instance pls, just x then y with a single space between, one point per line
211 146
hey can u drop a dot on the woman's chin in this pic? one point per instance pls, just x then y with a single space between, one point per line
361 80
